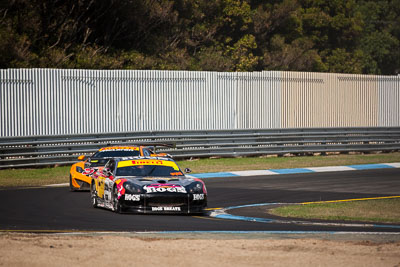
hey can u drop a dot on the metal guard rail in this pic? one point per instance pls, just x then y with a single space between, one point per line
34 151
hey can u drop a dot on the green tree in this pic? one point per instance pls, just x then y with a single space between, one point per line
381 35
355 36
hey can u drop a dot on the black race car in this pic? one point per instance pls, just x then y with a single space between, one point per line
147 185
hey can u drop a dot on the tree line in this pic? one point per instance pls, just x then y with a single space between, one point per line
342 36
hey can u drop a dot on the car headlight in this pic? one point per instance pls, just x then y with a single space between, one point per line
79 169
196 188
132 188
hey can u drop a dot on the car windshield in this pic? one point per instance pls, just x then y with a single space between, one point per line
95 162
147 170
116 154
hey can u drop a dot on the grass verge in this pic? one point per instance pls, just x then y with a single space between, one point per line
380 210
56 175
273 162
34 177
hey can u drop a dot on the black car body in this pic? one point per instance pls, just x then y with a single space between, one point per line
147 185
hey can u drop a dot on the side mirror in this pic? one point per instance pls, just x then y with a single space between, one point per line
187 170
81 157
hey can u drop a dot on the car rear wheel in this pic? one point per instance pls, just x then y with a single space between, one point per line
116 202
93 194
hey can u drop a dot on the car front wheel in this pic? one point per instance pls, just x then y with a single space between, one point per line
116 202
93 194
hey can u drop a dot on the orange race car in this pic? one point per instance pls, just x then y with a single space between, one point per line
79 178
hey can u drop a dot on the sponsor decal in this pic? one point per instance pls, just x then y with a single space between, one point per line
176 173
165 208
161 188
153 162
198 196
119 148
89 171
132 197
121 189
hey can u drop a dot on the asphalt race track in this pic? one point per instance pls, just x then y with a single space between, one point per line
57 209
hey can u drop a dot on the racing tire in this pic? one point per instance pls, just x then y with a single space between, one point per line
93 195
71 187
116 203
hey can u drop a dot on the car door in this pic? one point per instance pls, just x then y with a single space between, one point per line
108 182
101 179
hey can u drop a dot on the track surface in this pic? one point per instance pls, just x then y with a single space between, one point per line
53 209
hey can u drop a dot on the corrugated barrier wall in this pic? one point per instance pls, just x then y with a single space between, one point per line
57 101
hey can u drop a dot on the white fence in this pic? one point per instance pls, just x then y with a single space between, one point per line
57 101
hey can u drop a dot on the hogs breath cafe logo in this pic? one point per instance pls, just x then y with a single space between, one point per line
161 188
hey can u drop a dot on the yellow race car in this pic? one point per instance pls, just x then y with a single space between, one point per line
80 179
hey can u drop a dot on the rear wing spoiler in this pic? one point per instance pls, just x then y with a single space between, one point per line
149 145
152 148
145 144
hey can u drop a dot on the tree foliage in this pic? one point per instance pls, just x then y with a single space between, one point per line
350 36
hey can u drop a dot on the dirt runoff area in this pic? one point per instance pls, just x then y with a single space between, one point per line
110 250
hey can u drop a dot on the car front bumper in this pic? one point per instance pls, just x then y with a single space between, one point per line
164 203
